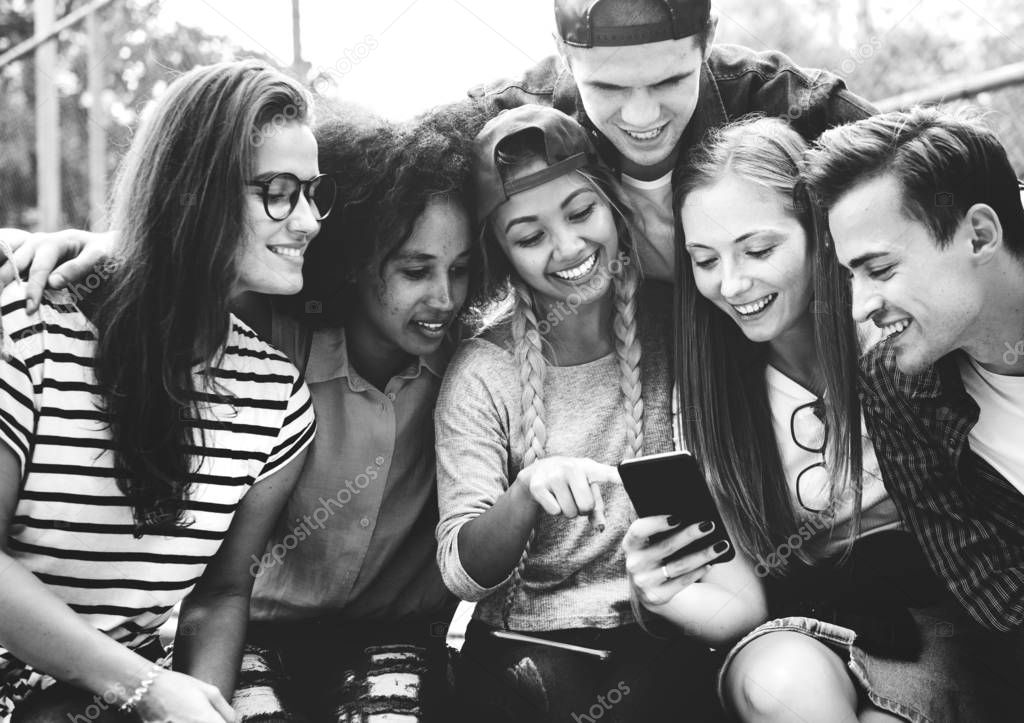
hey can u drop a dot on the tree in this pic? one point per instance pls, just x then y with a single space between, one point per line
141 58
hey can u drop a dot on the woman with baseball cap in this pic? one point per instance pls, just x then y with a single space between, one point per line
567 378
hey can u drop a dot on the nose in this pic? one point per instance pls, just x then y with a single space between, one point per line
302 220
567 244
735 282
441 296
866 302
641 109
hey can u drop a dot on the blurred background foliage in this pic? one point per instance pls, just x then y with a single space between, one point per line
881 47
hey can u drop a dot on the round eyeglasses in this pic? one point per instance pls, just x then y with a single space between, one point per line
280 194
810 433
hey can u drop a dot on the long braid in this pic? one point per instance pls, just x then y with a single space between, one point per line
627 349
530 361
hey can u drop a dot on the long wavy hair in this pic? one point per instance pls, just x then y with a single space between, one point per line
179 203
387 173
728 423
515 305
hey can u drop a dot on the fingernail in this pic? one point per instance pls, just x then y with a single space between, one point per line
706 526
673 520
721 546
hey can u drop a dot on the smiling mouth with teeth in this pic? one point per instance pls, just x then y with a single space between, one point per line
645 135
577 272
289 251
755 306
432 326
893 329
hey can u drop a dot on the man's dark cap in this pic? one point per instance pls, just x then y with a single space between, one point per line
566 148
576 28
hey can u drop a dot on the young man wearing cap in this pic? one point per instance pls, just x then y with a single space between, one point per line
646 79
925 211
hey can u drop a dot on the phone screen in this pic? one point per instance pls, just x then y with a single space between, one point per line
672 484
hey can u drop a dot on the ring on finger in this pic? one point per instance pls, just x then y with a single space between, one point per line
664 571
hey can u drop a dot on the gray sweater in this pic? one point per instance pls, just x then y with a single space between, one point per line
575 577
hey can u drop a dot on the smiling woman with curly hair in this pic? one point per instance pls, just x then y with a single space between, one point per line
351 566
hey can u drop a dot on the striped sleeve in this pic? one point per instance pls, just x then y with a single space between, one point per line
297 430
18 411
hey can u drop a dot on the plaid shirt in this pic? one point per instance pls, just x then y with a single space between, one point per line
967 517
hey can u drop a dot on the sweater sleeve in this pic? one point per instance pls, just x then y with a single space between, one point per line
471 422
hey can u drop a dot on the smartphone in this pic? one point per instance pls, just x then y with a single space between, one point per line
672 484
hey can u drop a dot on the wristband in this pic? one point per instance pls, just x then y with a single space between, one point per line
140 692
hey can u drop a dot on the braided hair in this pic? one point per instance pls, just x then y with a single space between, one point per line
521 314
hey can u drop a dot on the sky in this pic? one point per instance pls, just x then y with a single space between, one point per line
399 57
396 56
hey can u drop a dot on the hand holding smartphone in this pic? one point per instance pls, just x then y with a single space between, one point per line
672 484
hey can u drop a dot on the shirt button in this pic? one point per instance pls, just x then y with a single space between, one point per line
391 396
364 522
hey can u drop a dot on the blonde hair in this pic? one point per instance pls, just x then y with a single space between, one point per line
527 347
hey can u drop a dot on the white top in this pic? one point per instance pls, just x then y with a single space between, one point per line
827 531
998 437
653 200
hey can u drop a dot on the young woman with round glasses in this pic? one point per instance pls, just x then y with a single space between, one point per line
148 437
767 369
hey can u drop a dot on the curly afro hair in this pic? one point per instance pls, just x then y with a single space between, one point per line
386 172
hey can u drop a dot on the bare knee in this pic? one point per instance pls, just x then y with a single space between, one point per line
783 672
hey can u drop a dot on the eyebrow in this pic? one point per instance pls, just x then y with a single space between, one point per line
602 85
568 199
864 258
768 233
422 257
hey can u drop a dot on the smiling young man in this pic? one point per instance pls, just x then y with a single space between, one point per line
925 211
645 78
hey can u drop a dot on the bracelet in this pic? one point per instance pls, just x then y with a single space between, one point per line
140 692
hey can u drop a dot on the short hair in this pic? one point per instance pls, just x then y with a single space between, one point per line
944 162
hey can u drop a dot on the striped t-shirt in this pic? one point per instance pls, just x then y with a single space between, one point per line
72 527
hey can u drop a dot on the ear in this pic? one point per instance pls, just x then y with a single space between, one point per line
982 222
712 32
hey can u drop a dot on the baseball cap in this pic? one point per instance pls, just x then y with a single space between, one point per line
576 26
566 149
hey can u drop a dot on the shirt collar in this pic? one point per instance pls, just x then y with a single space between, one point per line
709 113
328 360
939 381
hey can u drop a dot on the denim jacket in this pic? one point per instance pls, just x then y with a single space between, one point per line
734 81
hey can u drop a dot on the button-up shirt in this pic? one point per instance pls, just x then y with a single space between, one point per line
357 536
968 518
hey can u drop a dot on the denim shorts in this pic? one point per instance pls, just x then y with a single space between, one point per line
963 673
